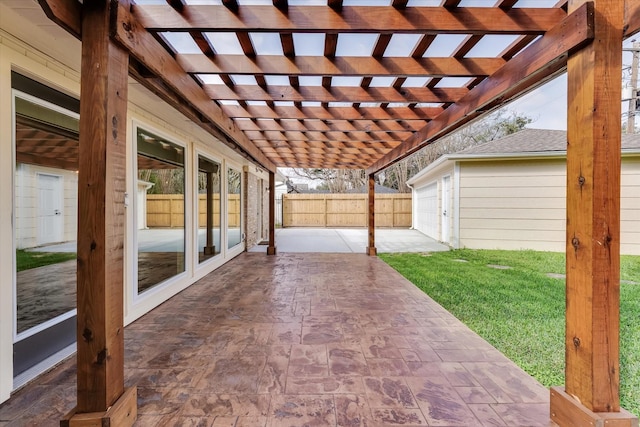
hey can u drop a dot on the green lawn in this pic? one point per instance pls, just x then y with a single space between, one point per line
26 260
521 310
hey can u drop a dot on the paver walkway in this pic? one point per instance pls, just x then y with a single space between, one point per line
304 340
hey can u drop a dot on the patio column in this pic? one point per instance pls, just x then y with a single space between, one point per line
102 399
591 396
271 249
371 248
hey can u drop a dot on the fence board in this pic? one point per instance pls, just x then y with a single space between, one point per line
345 210
167 210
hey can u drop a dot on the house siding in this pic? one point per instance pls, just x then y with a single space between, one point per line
521 204
513 205
630 206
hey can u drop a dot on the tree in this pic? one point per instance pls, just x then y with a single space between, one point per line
334 180
496 125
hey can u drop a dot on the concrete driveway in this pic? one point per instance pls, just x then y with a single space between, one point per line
351 240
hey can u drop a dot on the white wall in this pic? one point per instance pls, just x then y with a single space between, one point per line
630 206
517 204
513 204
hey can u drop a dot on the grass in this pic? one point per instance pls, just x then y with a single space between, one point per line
521 311
26 260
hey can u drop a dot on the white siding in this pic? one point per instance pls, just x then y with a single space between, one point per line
513 205
522 205
630 207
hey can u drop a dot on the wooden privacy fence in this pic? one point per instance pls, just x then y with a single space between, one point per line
345 210
167 210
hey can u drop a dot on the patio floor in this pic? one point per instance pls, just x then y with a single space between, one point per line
304 340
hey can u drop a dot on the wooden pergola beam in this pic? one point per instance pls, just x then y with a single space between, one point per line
149 53
389 126
339 66
335 94
539 62
371 216
328 136
592 372
631 17
331 113
66 13
354 19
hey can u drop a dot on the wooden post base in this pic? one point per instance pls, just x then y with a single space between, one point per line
123 413
372 251
567 411
271 250
209 250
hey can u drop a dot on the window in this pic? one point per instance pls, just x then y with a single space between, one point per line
234 207
161 206
46 141
208 208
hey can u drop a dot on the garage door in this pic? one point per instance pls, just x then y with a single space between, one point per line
426 210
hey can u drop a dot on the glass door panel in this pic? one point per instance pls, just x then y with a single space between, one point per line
45 210
208 208
161 189
234 207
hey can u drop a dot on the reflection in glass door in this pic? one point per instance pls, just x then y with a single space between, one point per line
234 207
45 211
161 243
208 208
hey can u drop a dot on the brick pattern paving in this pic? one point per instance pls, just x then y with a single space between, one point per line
305 340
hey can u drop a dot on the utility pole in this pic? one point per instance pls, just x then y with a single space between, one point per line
631 120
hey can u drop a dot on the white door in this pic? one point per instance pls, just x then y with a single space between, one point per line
50 217
446 208
427 210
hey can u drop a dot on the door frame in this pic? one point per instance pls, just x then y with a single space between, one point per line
445 209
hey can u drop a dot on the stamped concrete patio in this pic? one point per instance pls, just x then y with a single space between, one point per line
304 340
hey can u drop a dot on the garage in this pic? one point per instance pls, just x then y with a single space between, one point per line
426 208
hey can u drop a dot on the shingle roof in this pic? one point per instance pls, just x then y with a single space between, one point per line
537 141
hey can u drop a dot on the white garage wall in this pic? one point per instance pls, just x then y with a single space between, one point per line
630 206
427 209
513 204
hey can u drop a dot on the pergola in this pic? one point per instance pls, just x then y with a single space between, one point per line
306 103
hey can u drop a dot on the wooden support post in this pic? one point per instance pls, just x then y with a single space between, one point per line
271 249
101 222
371 248
593 228
209 249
